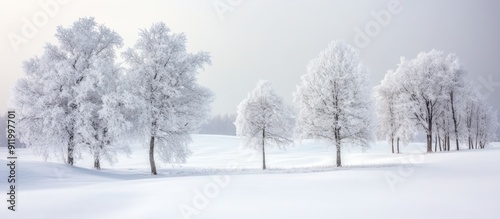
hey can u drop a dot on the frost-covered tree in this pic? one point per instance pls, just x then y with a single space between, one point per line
264 120
171 104
440 102
472 102
103 113
481 120
333 99
394 124
61 85
453 84
421 81
487 124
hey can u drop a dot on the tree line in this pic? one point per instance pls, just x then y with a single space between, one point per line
3 136
219 125
430 94
427 94
77 99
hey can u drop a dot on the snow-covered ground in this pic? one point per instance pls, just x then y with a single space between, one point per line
222 180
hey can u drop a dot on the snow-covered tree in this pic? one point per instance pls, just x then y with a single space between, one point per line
334 101
171 104
264 120
486 125
394 124
481 121
103 114
440 102
421 81
472 101
450 123
63 88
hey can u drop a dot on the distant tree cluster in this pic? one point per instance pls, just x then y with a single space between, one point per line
219 125
3 135
77 99
334 103
429 94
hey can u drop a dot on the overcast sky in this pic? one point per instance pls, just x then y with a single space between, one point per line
250 40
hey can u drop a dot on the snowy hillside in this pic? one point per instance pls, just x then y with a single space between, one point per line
222 180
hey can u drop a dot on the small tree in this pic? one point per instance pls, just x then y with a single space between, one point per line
334 99
264 120
170 103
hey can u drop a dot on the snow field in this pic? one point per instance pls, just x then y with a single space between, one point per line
301 182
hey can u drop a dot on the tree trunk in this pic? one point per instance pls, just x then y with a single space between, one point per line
392 144
448 142
152 155
436 144
263 149
398 145
429 143
429 121
440 145
337 144
97 163
97 156
71 148
470 142
455 120
477 130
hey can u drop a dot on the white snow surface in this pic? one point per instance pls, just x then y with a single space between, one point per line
223 180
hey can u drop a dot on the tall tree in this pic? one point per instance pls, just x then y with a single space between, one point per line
171 103
333 99
421 83
264 120
453 88
49 99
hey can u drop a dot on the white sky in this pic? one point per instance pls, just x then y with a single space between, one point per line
274 40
